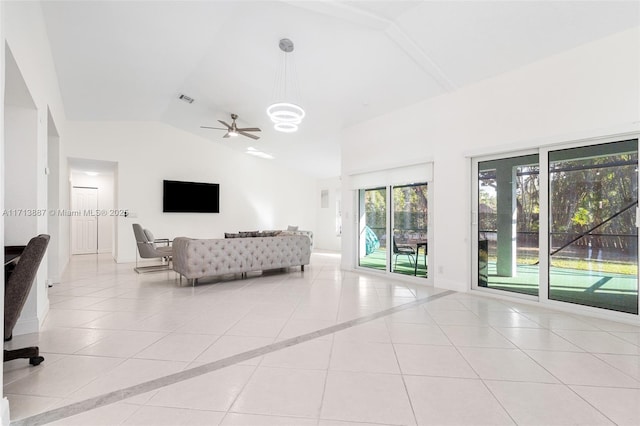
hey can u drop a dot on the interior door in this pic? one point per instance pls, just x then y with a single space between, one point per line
84 220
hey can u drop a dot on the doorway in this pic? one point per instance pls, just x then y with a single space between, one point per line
403 209
100 175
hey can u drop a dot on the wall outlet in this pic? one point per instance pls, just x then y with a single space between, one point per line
441 269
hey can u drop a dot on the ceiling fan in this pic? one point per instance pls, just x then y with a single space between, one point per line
233 130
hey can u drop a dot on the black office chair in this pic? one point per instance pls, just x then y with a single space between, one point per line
17 289
403 250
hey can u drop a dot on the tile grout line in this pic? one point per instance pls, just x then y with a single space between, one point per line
128 392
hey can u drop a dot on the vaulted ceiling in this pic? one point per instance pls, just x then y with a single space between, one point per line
129 60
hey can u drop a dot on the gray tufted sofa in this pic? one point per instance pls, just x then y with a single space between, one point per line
198 258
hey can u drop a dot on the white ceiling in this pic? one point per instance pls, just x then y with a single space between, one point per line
125 60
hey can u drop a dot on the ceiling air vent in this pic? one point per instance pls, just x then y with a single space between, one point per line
185 98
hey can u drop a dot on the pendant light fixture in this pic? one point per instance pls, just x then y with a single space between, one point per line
285 112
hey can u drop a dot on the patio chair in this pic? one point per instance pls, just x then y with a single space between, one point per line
149 247
16 291
403 250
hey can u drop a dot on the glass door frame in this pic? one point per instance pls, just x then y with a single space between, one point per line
475 225
544 239
390 226
543 292
386 224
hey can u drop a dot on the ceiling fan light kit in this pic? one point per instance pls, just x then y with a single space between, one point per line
233 130
286 116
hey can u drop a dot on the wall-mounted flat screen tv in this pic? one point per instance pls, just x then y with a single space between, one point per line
190 197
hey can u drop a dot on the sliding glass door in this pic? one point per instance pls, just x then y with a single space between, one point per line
561 225
508 224
372 247
593 238
410 229
404 209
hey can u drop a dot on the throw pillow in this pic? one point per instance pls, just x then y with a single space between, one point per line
247 234
269 233
292 228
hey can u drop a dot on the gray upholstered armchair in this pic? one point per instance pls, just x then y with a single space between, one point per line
149 247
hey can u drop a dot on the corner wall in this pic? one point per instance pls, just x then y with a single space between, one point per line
591 90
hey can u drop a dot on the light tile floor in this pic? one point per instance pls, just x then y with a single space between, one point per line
449 359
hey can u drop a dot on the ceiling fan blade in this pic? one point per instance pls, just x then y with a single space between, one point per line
228 125
249 129
226 135
249 135
217 128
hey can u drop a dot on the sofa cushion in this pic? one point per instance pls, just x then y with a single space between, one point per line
246 234
228 235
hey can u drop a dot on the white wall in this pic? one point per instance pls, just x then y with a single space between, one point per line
325 237
255 194
589 91
53 203
105 184
20 174
25 35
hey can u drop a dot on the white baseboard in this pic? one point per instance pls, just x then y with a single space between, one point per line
458 286
4 412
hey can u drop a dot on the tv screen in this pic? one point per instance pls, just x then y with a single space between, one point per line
190 197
